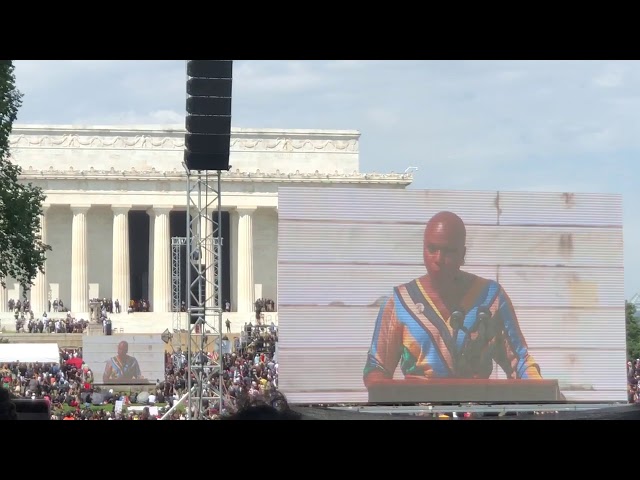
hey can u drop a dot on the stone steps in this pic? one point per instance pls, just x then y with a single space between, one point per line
150 322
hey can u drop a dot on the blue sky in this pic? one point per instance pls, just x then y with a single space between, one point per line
516 125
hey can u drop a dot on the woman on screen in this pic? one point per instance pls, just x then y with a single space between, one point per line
122 368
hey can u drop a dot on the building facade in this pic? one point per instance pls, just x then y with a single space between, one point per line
116 195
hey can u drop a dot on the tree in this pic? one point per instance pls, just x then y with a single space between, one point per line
633 331
22 252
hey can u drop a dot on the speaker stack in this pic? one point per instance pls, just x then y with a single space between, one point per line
208 121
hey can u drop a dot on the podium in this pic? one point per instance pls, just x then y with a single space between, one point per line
424 390
94 329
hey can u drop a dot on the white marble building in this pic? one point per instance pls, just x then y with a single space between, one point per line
106 184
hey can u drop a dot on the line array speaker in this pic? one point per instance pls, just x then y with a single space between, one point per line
208 121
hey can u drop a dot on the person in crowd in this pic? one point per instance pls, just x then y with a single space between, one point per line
272 406
7 407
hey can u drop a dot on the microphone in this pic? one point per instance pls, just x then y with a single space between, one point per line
457 320
474 358
492 323
457 323
483 316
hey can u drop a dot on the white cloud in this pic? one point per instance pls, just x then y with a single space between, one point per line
266 77
346 65
609 79
611 76
41 74
510 75
382 117
166 83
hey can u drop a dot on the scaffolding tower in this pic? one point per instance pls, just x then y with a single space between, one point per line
180 325
204 293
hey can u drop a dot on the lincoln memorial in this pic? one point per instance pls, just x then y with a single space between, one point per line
116 195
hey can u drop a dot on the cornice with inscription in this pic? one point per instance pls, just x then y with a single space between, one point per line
233 176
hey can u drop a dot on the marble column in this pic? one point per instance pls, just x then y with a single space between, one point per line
79 261
161 260
4 298
246 286
121 273
40 287
152 218
233 256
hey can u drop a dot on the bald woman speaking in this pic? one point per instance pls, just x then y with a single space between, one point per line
448 323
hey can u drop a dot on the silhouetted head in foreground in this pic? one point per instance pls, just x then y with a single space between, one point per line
7 407
272 406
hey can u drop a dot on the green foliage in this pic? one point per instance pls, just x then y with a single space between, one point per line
94 408
633 332
22 252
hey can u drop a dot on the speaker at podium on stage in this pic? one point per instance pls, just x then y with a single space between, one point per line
208 121
108 327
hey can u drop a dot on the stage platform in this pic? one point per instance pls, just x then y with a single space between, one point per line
621 412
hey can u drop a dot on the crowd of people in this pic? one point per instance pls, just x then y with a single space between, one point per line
28 322
249 366
264 305
44 324
60 384
109 305
633 377
22 307
249 376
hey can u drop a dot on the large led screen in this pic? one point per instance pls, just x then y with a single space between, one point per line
405 296
124 359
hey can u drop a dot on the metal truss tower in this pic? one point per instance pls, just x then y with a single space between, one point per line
179 322
204 303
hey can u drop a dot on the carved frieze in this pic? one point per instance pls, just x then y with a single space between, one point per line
258 142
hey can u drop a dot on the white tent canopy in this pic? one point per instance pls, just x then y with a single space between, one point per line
29 352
